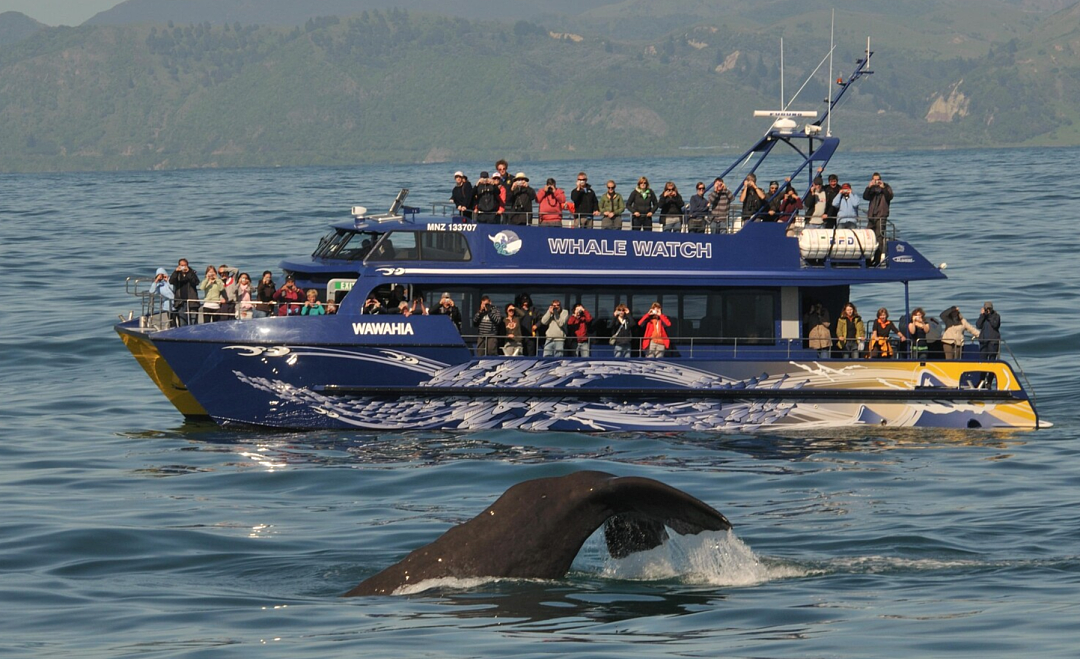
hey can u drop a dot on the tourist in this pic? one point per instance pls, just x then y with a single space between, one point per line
989 324
556 319
772 203
372 306
162 297
185 285
832 191
244 297
752 198
850 332
213 295
670 204
816 204
642 204
697 210
621 335
586 206
719 205
656 338
462 195
952 339
418 308
847 208
817 322
549 201
289 298
486 321
578 325
883 328
312 307
879 194
487 199
520 202
265 291
790 204
513 346
446 307
918 331
528 319
611 208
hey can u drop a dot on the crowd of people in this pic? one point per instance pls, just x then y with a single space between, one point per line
228 293
499 198
913 336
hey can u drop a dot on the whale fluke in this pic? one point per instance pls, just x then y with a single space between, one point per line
536 528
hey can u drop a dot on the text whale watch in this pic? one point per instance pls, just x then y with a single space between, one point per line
694 323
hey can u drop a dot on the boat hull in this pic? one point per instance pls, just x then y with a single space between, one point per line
391 384
146 353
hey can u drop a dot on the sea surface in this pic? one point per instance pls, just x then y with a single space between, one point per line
126 532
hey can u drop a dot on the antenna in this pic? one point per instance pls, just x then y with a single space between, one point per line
782 104
832 45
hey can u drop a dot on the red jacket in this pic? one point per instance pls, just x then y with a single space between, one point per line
580 326
654 330
549 206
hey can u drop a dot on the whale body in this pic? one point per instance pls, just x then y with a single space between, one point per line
536 528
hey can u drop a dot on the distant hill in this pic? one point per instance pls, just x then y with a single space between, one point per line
291 12
14 27
402 87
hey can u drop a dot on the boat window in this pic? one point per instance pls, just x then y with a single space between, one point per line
444 246
395 246
330 241
750 314
358 245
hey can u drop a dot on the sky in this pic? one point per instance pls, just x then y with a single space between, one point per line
58 12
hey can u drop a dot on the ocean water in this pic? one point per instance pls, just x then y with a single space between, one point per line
126 532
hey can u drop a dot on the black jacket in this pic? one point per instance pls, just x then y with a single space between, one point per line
585 203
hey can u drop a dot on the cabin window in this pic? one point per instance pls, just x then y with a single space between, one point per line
444 246
395 246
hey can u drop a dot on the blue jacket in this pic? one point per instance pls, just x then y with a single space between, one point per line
163 287
848 208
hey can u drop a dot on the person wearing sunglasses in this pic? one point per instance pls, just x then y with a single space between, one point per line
698 210
611 208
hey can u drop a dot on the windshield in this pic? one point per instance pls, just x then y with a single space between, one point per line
346 245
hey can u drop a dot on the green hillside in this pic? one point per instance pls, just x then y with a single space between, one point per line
393 86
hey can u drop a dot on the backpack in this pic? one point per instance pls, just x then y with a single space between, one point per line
487 200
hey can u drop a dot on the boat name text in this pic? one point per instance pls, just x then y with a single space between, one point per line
686 249
383 329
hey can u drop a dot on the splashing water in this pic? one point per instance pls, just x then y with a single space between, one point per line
717 558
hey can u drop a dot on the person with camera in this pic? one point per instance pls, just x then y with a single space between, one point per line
265 293
656 338
611 206
512 346
719 205
289 298
520 201
487 199
879 194
952 339
621 335
162 297
185 284
989 326
446 307
578 324
556 318
816 204
213 295
312 306
529 319
670 204
847 208
486 321
372 306
790 205
586 206
549 201
752 198
642 203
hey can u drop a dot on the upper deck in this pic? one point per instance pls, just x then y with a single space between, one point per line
436 250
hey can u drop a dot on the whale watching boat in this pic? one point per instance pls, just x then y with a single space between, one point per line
739 356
